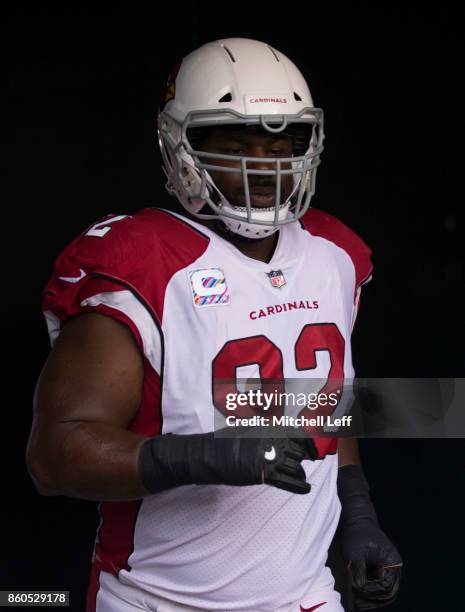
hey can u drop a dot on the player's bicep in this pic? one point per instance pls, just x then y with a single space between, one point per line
93 373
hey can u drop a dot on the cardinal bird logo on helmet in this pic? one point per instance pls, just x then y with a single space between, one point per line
169 90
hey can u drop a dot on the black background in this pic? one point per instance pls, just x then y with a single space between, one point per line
82 85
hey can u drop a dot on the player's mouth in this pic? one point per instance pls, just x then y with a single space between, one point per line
261 197
262 200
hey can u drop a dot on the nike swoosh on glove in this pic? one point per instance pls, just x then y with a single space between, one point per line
283 456
374 563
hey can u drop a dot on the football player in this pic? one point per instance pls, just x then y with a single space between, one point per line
149 312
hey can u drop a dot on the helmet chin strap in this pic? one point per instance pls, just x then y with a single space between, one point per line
254 231
223 230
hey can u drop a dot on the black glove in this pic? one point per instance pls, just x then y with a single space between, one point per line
374 562
246 456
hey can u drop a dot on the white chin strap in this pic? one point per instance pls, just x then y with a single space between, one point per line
250 229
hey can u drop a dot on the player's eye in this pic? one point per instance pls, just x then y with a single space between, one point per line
283 148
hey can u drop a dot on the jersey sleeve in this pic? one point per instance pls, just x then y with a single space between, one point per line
358 293
364 276
322 224
100 272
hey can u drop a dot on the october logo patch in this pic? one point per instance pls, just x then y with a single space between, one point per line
209 287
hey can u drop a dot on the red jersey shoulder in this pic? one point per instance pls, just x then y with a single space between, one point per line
125 241
140 252
324 225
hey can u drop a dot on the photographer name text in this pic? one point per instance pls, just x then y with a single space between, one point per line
289 421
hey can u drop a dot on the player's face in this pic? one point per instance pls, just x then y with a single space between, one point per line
250 142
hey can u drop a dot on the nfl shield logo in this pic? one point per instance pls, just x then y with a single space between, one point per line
276 278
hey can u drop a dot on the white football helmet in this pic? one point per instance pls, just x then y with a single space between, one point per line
238 81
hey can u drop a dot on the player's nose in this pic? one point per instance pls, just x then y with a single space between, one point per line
261 163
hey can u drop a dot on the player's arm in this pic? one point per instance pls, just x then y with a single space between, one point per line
87 395
373 560
88 392
348 453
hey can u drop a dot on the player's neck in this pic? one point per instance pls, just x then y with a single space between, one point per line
261 249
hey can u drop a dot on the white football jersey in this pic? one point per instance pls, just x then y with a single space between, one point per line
202 311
